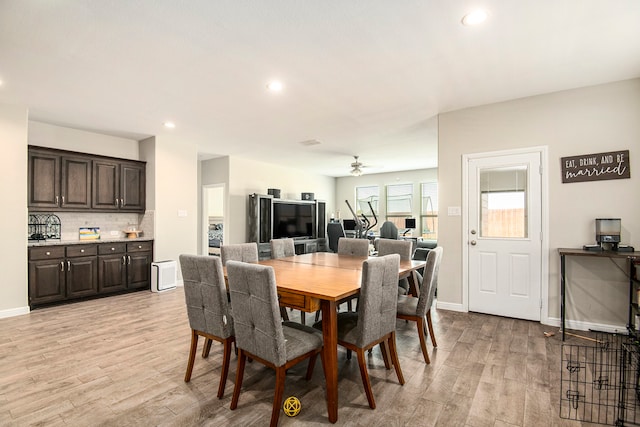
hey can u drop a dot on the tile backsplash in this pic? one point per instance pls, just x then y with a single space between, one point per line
112 224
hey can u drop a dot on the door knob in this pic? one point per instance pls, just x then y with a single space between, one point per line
473 243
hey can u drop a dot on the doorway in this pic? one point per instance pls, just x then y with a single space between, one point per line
503 237
213 223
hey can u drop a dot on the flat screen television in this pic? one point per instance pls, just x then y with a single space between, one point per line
292 219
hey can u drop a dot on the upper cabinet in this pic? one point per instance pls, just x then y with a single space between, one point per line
59 181
62 180
118 185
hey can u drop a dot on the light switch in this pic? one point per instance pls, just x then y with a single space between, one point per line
182 213
454 211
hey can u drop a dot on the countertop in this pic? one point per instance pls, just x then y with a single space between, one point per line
85 242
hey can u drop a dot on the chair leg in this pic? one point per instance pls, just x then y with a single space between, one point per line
365 378
423 343
225 366
283 313
317 315
312 364
385 355
433 337
349 306
394 357
277 396
303 317
348 354
192 356
207 348
242 358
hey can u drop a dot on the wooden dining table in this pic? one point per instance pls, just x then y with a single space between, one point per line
318 281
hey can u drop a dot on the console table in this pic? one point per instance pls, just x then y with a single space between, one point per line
631 257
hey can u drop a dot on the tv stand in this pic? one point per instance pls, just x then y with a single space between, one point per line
260 221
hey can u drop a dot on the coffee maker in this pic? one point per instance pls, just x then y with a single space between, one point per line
608 236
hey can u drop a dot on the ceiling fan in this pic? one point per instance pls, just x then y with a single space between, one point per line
356 167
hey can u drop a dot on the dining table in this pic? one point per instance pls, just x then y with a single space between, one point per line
319 281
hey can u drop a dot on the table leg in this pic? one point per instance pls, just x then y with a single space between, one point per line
330 366
562 291
414 286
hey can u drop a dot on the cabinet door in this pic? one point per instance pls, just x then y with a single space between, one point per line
46 281
82 276
75 183
106 185
112 273
139 270
44 180
132 187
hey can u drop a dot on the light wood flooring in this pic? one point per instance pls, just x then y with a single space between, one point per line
121 361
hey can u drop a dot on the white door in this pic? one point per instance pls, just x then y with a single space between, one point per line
504 239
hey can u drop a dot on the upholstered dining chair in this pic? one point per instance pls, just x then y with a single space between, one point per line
402 248
375 321
208 310
281 248
417 309
354 247
245 252
259 333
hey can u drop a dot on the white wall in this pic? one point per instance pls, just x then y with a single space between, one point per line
249 176
574 122
63 138
13 227
345 189
172 170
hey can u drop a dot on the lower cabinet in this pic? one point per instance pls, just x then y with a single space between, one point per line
62 273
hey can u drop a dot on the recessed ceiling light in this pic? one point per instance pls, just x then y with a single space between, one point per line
476 17
275 86
169 125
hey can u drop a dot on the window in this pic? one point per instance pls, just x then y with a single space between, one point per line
364 196
399 203
503 201
429 210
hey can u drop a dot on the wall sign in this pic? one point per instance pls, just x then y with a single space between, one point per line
596 167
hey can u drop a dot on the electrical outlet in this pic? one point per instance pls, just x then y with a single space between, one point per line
114 233
454 211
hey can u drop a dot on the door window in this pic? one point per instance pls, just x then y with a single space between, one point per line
503 202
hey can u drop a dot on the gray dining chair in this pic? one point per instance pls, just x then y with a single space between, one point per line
260 335
354 247
208 310
334 232
402 248
375 321
388 230
281 248
245 252
417 309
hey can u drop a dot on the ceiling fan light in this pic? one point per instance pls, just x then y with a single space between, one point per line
356 171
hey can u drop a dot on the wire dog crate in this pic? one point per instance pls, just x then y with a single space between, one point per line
600 382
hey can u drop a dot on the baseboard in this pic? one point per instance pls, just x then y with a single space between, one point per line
450 306
18 311
180 282
579 325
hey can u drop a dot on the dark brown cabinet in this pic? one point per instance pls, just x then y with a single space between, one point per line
64 180
58 273
63 273
118 185
58 181
124 266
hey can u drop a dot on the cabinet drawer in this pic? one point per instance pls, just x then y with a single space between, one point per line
139 246
112 248
46 252
300 302
82 250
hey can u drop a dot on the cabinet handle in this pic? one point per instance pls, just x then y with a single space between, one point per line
68 265
124 260
113 249
48 253
63 200
129 259
61 265
139 246
56 200
81 250
121 202
116 203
